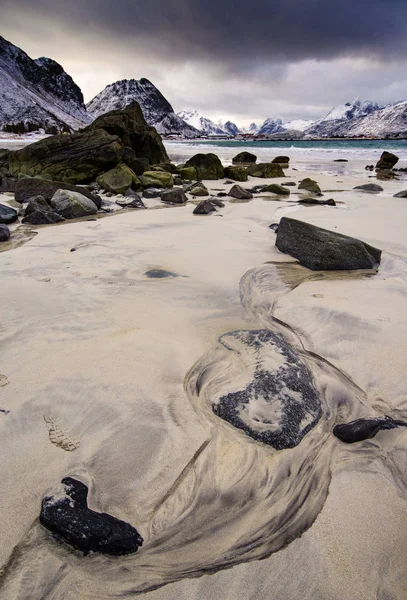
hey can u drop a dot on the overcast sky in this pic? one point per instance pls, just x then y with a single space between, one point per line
240 59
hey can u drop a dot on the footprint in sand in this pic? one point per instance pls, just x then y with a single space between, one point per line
59 437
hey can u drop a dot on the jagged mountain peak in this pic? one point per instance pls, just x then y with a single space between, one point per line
37 93
157 111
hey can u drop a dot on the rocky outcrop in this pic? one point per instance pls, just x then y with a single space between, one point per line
119 180
310 185
67 515
266 170
387 161
320 249
236 173
245 158
72 205
7 214
81 157
4 233
207 166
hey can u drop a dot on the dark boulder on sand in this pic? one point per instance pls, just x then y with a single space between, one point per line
402 194
314 201
310 185
244 157
174 196
156 179
236 173
118 180
4 233
320 249
205 207
369 187
266 170
284 160
30 187
276 188
67 515
364 429
386 161
7 214
240 193
72 205
207 166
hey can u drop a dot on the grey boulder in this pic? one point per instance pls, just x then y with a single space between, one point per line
320 249
240 193
369 187
174 196
7 214
4 233
72 205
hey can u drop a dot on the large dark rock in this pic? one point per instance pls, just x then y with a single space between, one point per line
118 180
174 196
72 205
131 128
82 156
320 249
36 203
369 187
205 207
236 173
240 193
7 214
244 157
73 158
402 194
8 184
281 160
276 188
4 233
67 515
387 161
199 189
281 404
30 187
364 429
41 216
266 170
207 166
156 179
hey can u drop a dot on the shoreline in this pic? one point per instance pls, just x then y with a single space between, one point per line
92 344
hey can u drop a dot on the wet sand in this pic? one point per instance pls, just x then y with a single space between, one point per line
111 376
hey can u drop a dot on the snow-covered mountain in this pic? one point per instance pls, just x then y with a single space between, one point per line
229 128
157 111
337 121
297 125
390 121
204 125
271 126
37 94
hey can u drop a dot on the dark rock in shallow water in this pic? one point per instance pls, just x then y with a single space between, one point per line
402 194
364 429
43 217
159 274
30 187
340 160
369 187
240 193
221 194
244 157
69 517
281 404
387 161
7 214
4 233
290 184
320 249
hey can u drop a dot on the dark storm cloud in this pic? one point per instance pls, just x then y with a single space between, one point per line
237 31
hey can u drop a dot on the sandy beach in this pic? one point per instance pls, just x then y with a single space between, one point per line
109 376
